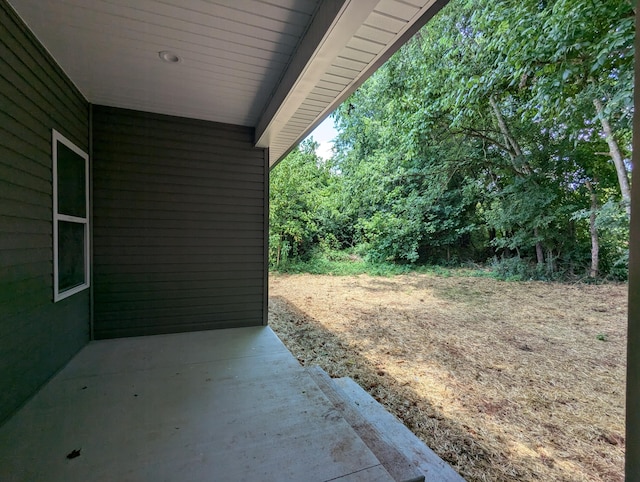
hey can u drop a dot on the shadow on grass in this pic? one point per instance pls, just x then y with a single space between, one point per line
455 443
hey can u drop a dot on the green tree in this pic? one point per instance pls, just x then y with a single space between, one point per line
503 129
297 189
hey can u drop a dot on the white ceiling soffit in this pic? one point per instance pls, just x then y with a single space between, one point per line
232 52
328 66
280 66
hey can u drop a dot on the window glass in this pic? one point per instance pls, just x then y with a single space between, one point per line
71 182
71 255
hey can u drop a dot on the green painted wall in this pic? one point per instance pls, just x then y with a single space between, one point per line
37 336
632 469
179 224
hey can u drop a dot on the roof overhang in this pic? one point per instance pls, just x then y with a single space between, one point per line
280 67
351 41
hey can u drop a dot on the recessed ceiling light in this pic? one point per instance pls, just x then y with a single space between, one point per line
169 57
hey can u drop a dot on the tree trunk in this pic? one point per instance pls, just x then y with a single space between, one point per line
515 152
551 261
595 243
539 250
517 160
616 156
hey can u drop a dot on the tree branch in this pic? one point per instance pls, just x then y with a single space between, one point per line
478 134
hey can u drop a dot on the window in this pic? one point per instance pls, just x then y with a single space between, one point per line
70 218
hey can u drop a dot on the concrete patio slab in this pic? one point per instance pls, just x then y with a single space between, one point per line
203 406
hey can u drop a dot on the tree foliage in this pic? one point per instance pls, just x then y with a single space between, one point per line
502 130
297 188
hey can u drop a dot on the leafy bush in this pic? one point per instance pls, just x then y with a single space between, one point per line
339 263
519 269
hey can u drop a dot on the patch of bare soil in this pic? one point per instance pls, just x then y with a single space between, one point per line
505 381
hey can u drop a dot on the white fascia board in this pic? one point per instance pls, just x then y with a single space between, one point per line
333 26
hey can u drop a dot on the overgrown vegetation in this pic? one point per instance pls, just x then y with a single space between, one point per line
499 135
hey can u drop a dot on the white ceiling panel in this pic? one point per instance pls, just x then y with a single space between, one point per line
232 53
398 9
280 66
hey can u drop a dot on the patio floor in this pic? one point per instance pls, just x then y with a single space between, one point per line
217 405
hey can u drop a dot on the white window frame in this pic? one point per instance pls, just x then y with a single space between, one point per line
57 217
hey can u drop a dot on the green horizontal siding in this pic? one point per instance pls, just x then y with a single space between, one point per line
179 223
37 336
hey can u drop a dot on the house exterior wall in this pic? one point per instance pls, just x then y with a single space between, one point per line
179 222
632 467
37 336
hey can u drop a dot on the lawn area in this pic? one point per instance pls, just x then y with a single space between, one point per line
506 381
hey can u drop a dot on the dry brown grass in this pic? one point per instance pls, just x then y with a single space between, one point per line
504 380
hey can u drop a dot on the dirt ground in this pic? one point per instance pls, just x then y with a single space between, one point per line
506 381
